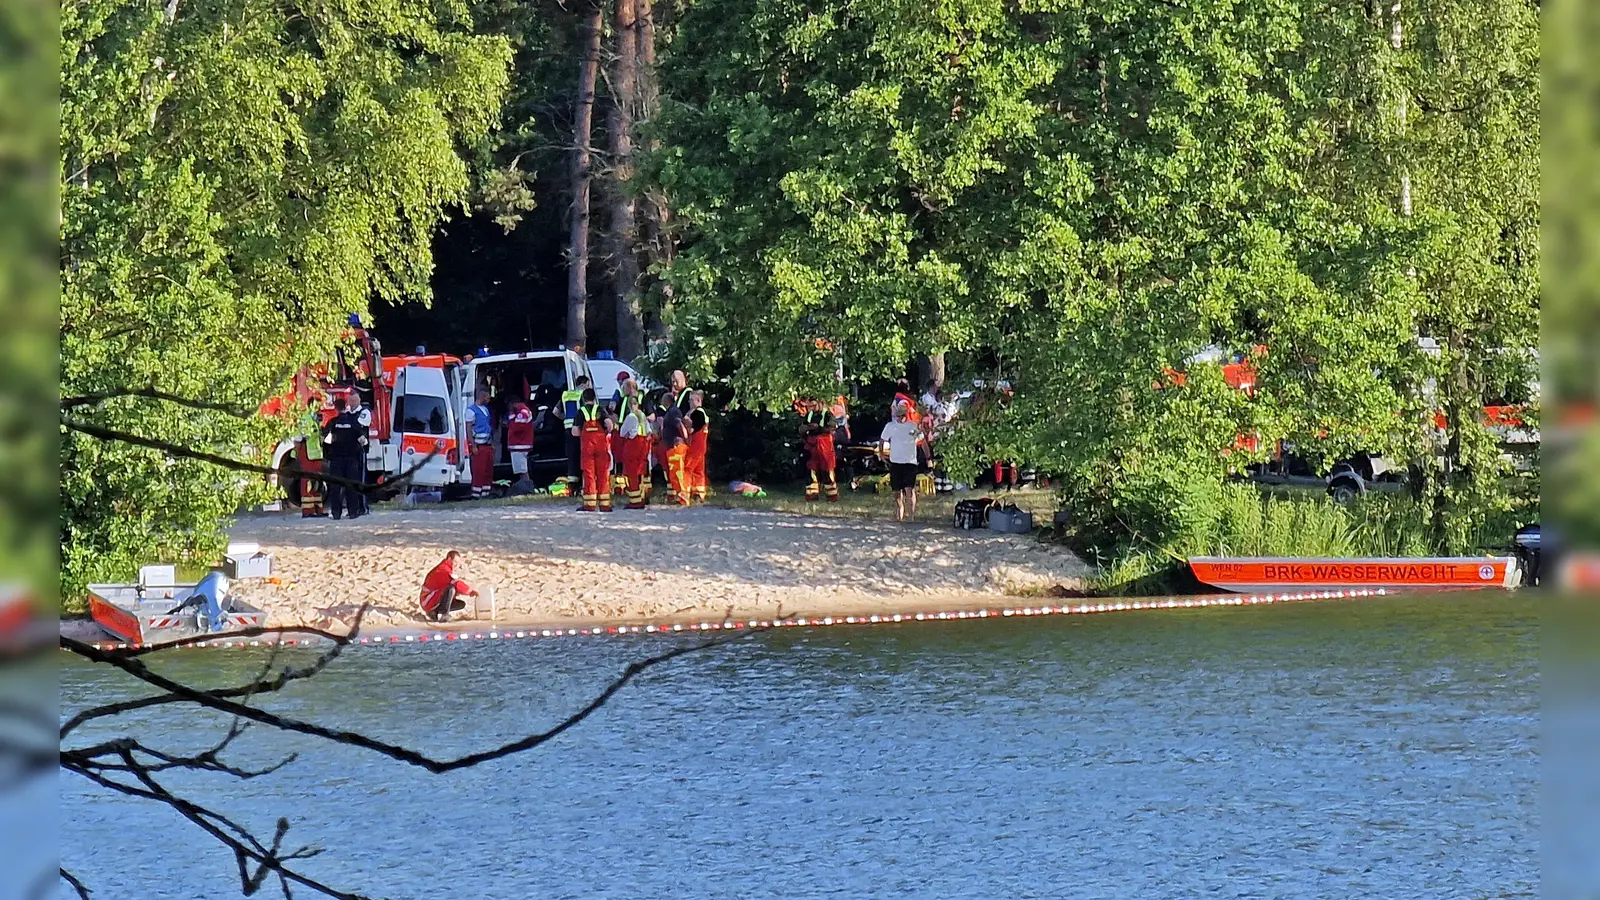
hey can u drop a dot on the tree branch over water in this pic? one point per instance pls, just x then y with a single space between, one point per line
129 766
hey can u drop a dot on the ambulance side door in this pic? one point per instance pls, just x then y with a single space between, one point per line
465 394
397 407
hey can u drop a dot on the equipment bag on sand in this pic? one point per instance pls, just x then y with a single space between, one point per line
1008 519
973 513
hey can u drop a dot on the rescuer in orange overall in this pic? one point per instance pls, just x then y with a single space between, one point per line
635 441
592 426
674 434
817 427
699 423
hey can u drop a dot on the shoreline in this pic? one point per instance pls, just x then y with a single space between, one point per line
554 567
471 630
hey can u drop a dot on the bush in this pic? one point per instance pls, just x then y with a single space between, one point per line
1239 520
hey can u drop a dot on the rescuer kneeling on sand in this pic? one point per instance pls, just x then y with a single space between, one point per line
442 591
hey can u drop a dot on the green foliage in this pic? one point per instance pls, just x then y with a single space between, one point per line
28 297
1091 193
236 179
1238 520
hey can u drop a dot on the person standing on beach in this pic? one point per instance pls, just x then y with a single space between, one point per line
570 400
481 426
817 428
899 443
699 424
442 590
635 437
678 392
364 418
346 460
519 437
308 458
675 453
593 427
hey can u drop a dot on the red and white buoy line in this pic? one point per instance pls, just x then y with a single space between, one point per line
501 634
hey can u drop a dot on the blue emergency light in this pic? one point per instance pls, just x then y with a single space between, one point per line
603 354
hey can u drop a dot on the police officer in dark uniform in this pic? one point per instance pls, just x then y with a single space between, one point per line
345 436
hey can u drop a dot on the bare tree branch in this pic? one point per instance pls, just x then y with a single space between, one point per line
259 685
128 766
406 755
150 393
236 465
69 878
246 848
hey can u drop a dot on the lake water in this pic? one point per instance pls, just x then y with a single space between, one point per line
1372 748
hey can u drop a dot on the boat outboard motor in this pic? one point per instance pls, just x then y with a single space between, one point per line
207 602
1526 547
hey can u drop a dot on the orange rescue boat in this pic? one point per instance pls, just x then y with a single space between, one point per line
1264 574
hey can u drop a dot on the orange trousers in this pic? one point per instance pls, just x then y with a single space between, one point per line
310 488
694 474
595 454
821 461
636 468
678 475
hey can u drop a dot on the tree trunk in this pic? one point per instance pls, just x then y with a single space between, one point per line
1397 34
930 368
657 215
624 224
582 175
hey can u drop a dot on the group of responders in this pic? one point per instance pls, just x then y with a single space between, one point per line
1126 605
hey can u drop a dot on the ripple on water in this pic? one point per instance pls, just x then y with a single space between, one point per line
1371 748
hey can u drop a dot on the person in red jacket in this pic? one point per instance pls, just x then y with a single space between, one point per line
442 591
593 428
519 437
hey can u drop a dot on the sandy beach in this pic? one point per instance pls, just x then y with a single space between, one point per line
551 565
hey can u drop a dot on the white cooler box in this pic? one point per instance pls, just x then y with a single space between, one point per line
247 561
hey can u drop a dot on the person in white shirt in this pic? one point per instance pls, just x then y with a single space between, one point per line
899 443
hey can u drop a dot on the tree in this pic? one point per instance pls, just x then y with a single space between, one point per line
582 176
236 179
1086 195
624 205
1469 78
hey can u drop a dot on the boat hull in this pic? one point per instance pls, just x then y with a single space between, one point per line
1254 575
134 619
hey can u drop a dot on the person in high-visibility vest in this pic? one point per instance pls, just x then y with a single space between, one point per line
678 393
570 399
592 427
817 427
699 424
635 439
674 436
308 458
